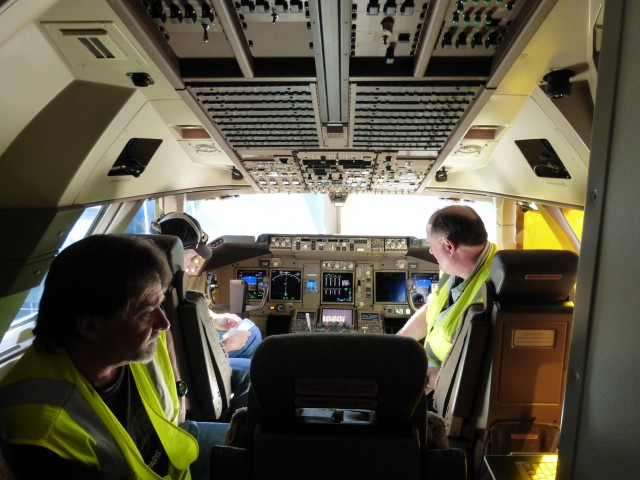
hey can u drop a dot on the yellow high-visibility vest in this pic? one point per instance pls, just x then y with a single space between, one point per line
440 331
45 401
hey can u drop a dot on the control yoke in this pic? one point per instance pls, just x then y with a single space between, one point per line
412 295
238 297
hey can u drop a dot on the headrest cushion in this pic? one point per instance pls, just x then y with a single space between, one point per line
533 275
172 248
385 373
187 229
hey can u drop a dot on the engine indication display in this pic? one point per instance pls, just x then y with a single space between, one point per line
286 285
337 287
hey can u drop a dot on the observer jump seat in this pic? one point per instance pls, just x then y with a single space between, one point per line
335 405
503 381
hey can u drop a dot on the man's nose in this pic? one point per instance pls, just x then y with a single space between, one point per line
161 320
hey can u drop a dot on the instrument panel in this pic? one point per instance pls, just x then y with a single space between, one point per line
313 283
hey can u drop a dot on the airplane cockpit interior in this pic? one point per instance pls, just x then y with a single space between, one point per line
308 143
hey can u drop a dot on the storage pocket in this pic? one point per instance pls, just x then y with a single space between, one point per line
521 436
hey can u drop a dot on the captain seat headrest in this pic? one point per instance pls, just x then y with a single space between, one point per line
187 229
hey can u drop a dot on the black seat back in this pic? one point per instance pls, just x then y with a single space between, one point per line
339 405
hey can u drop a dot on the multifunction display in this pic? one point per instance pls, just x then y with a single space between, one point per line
286 285
337 287
255 282
391 287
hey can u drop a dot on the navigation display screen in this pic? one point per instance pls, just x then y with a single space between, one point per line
424 281
286 285
337 287
391 287
254 281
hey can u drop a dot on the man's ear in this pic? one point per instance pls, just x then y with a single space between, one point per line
450 246
89 328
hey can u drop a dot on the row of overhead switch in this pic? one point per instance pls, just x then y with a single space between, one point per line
477 39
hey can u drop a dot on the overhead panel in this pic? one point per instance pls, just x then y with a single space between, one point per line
475 28
261 116
342 96
409 117
338 172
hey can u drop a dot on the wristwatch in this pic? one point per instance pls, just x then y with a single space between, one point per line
182 388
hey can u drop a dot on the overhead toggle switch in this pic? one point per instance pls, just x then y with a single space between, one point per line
390 7
446 40
262 6
158 15
247 6
407 7
175 14
390 55
476 40
190 15
461 40
207 14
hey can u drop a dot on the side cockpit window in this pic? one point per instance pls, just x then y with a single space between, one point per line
24 320
141 222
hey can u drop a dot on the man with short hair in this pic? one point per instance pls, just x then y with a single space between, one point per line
458 240
95 395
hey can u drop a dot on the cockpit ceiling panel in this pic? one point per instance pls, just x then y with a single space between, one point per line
385 80
261 116
409 117
377 29
390 116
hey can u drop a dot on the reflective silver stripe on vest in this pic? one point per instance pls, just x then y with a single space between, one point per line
65 395
431 355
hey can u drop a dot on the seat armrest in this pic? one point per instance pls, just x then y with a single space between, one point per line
230 462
